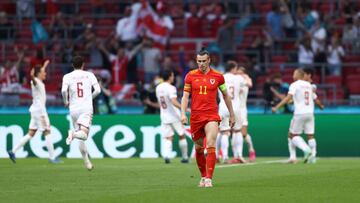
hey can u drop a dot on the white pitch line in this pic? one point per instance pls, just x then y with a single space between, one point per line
251 164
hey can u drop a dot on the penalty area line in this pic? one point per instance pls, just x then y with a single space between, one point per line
251 164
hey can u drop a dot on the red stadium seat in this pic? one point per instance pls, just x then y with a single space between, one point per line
279 59
337 80
353 84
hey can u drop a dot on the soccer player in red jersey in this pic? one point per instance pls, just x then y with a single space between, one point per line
203 84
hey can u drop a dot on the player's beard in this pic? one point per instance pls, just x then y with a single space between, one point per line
203 68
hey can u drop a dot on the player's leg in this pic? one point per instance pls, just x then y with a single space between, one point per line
46 131
224 140
183 145
296 129
237 144
309 131
200 158
85 155
292 150
167 134
21 143
83 121
211 131
224 146
249 142
218 148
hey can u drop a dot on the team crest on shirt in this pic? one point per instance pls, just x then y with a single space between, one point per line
212 81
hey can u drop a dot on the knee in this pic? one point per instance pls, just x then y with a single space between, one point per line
310 137
291 136
181 137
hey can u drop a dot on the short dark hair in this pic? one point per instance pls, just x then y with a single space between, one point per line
77 62
37 69
166 74
308 71
203 52
230 65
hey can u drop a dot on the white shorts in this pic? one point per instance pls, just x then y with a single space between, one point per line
81 118
302 123
39 122
244 117
169 129
224 124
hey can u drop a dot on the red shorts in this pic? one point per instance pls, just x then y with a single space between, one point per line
198 122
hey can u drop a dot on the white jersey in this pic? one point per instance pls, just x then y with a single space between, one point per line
303 96
38 91
234 85
79 85
243 96
168 112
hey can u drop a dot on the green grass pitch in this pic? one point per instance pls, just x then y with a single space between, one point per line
151 181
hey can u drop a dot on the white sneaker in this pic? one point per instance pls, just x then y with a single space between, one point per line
312 160
292 161
70 137
202 182
208 182
89 166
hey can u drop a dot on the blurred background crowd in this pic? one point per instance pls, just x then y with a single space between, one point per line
126 43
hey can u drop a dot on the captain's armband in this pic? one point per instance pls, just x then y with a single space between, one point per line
222 88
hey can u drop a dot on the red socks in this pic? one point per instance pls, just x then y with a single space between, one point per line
201 161
206 165
210 161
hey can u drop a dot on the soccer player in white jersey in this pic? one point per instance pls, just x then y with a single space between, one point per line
170 116
244 114
308 73
234 84
39 117
78 96
301 92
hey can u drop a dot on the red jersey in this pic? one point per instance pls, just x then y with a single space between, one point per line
203 89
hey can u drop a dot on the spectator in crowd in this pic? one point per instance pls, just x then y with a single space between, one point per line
120 62
335 52
287 20
25 8
246 18
216 63
6 27
194 22
305 52
58 26
348 10
215 17
148 96
225 39
126 26
151 60
104 102
98 6
351 34
274 91
259 48
66 58
77 26
274 22
318 41
168 64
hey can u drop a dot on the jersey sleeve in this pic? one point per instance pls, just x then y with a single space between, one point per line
172 92
221 84
292 89
187 85
65 84
93 80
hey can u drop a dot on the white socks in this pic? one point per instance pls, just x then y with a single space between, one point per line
184 148
83 151
167 147
292 150
312 145
81 135
22 142
237 144
249 142
299 142
225 146
50 146
218 145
